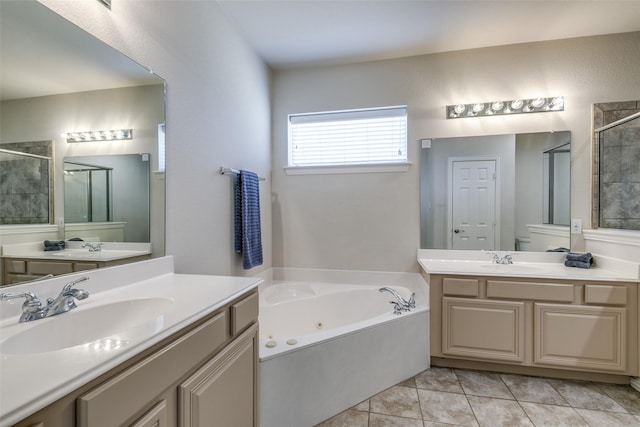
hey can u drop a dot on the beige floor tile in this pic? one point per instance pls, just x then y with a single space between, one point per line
380 420
552 415
430 424
399 401
607 419
440 379
625 395
362 406
491 412
532 389
443 407
348 418
583 394
409 382
485 384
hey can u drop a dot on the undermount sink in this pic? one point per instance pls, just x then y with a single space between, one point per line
100 328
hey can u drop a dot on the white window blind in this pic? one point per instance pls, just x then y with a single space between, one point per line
351 137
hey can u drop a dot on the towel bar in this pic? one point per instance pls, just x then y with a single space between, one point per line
229 171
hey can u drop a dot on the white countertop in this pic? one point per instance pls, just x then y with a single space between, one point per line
29 382
110 251
525 264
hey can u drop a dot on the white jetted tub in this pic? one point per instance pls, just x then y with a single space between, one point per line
333 340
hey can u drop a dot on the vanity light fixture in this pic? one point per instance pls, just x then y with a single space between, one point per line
99 135
515 106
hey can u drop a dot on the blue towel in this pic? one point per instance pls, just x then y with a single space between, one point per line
248 237
579 260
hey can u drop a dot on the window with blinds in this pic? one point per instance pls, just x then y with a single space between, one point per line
351 137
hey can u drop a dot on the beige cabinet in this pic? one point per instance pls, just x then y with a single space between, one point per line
15 270
223 389
203 375
593 338
483 329
534 324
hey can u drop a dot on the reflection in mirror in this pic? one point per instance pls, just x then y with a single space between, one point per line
56 78
113 189
495 192
618 174
26 183
556 185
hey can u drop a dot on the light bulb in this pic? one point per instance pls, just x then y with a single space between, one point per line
537 103
517 104
497 106
459 109
478 107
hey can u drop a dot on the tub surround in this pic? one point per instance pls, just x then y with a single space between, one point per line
337 341
34 380
535 317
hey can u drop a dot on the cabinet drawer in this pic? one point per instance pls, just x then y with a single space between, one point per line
43 267
530 291
15 266
243 313
605 294
81 266
121 397
460 287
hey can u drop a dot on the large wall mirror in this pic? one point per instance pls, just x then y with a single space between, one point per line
497 192
57 78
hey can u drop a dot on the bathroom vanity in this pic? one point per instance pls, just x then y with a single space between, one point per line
174 350
532 317
27 261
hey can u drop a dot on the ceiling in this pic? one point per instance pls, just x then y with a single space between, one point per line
295 33
312 32
43 54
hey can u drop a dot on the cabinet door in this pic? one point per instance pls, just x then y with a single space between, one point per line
491 330
223 392
584 337
155 417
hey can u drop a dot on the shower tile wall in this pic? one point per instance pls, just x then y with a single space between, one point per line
26 184
621 199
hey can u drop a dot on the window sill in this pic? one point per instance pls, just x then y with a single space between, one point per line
338 169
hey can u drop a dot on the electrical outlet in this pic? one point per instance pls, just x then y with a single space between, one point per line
576 226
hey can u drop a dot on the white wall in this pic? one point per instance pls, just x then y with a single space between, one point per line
218 110
372 221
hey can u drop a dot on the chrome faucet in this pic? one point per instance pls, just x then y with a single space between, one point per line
93 248
504 260
400 304
32 308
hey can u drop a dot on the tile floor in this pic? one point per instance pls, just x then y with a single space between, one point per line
442 397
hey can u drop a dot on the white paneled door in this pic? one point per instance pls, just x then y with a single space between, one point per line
473 204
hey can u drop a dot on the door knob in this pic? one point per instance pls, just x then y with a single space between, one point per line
457 230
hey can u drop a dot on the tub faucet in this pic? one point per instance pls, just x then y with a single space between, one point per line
400 304
93 248
32 308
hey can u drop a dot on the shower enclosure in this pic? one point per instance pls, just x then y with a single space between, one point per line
618 179
87 193
26 188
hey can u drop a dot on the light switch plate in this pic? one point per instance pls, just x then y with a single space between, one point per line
576 226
